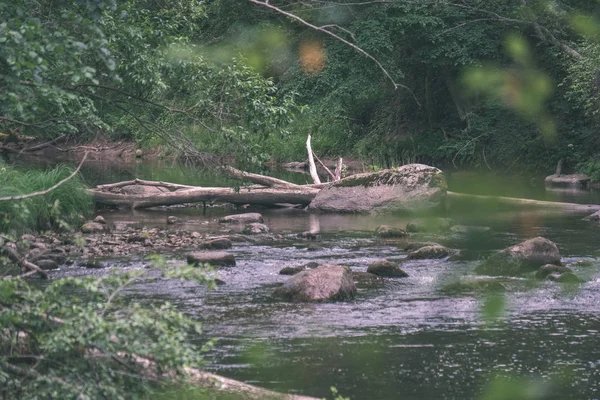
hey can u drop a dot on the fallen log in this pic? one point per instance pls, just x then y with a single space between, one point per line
255 196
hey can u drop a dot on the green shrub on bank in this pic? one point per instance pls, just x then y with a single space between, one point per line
59 209
80 338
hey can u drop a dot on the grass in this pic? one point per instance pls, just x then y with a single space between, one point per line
57 210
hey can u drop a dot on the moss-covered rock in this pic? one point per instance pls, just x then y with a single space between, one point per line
410 188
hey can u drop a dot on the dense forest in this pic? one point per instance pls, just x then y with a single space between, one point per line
505 85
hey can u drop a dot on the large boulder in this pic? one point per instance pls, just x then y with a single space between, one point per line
410 188
524 257
324 283
568 181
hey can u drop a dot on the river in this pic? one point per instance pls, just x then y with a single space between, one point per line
405 338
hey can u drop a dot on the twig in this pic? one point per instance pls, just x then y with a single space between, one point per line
44 192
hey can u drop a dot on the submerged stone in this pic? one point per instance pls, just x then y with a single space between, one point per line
245 218
386 268
215 258
295 270
365 277
255 228
430 225
550 269
473 286
386 231
429 252
216 244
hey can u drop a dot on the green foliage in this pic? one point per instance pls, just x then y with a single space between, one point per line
78 338
58 210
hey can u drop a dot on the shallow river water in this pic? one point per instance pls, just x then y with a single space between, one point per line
405 338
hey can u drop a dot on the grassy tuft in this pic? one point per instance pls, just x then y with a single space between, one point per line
57 210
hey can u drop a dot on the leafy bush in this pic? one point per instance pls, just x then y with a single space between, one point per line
79 338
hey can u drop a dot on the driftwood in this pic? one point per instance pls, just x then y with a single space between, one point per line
525 203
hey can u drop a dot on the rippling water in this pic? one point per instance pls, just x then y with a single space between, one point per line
404 338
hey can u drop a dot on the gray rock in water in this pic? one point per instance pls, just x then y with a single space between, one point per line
100 219
473 286
387 269
172 220
569 277
410 188
522 258
568 181
215 258
92 227
429 252
365 278
550 269
386 231
308 235
430 225
595 217
327 282
245 218
417 245
46 264
295 270
216 244
255 228
94 264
